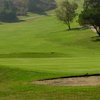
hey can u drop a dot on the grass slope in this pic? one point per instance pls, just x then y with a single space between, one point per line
40 48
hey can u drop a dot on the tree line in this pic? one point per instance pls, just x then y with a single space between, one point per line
10 9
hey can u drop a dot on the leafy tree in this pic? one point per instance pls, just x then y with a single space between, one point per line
91 14
8 11
66 12
39 6
21 6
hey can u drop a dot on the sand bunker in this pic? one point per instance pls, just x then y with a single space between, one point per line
74 81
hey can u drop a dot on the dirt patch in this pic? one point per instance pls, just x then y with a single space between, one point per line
74 81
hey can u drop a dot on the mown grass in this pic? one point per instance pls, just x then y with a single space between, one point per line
40 48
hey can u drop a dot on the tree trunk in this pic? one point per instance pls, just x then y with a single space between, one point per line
97 30
98 33
69 25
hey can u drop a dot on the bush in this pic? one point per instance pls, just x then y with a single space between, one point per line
7 11
8 16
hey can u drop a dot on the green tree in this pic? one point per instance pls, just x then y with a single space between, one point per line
39 6
21 6
8 11
66 12
91 14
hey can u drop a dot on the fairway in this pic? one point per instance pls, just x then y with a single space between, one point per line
40 48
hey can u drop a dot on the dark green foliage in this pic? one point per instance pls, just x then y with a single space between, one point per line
8 12
21 6
67 12
10 9
41 5
7 16
91 14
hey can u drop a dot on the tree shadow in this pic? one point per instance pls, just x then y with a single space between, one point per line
14 21
40 12
0 23
72 29
33 55
78 28
96 39
17 21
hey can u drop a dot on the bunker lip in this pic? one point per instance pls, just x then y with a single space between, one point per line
83 80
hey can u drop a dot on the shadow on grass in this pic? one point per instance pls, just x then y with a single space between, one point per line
32 55
16 74
0 23
96 39
78 28
40 12
16 21
73 29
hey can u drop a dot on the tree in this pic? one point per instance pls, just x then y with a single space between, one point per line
91 14
39 6
10 9
7 11
21 6
66 12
